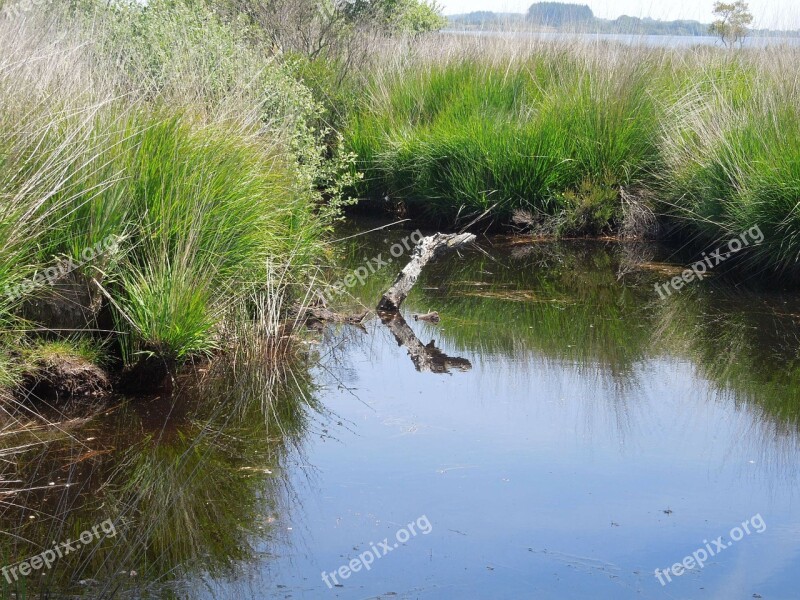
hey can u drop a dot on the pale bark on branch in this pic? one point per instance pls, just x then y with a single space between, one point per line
428 249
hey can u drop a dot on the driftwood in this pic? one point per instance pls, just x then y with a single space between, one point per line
426 358
428 248
432 317
315 317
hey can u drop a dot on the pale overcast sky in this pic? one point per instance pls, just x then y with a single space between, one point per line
773 14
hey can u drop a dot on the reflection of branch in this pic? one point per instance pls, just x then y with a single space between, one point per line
427 359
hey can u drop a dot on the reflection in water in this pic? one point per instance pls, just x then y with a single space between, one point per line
581 407
746 343
195 482
427 358
581 304
592 407
590 308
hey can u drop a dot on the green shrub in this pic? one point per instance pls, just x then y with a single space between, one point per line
592 209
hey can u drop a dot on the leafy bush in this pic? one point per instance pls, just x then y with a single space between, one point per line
417 16
592 209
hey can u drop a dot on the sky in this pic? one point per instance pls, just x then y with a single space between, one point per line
771 14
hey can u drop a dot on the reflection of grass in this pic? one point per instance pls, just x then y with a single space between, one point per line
190 495
567 302
187 502
735 343
563 301
744 345
579 313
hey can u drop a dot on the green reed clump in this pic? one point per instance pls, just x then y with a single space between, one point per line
732 147
206 209
198 177
534 132
556 135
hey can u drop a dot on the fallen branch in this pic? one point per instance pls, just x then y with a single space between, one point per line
317 316
428 248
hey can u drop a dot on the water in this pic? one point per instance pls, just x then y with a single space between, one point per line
658 41
586 433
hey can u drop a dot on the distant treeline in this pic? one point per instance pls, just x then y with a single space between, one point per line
565 17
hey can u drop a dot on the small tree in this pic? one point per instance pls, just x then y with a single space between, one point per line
416 16
732 24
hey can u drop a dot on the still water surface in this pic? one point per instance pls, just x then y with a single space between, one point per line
570 433
657 41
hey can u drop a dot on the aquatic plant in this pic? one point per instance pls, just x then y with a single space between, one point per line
732 154
476 128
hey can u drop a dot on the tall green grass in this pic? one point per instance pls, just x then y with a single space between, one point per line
206 211
542 132
562 133
732 151
201 160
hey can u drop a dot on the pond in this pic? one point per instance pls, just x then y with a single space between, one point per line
633 39
561 432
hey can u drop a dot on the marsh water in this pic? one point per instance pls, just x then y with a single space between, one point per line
561 432
633 39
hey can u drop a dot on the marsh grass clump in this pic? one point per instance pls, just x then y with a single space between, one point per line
588 138
161 129
472 130
204 234
732 151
